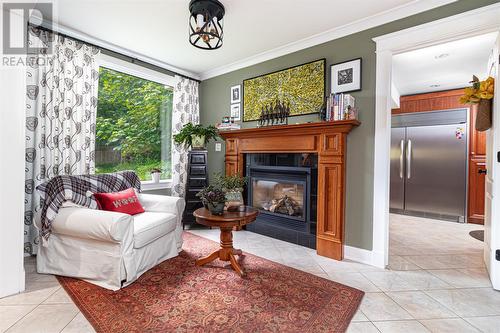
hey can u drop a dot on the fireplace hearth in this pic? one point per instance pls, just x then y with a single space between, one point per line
283 186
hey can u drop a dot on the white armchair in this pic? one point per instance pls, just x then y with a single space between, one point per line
112 249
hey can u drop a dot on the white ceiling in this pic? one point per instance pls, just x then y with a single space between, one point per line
253 29
442 67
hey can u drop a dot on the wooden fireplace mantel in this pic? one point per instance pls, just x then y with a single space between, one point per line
328 140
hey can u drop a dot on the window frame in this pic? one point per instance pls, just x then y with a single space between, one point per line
125 67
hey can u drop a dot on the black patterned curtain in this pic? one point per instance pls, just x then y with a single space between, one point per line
61 104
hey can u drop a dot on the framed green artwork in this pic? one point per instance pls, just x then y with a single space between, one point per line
302 87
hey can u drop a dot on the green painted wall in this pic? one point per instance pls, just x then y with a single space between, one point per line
214 104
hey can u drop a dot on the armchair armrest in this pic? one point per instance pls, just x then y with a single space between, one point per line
93 224
163 203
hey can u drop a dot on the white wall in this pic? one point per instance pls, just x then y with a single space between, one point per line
12 124
395 96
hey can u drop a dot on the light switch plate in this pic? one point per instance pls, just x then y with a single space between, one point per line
218 146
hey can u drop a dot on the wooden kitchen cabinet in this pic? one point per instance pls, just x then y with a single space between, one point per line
477 179
477 172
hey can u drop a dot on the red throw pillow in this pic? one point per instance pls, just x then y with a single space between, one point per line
122 202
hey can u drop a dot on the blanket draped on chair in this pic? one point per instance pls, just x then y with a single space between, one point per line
75 189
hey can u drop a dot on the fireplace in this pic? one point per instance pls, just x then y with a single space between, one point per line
325 142
279 196
283 186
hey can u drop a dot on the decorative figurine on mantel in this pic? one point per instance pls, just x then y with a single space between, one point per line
274 114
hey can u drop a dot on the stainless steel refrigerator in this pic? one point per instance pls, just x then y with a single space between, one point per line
429 164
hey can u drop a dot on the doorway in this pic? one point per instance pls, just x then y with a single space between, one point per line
437 160
465 25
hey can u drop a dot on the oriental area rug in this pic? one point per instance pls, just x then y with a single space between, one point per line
178 296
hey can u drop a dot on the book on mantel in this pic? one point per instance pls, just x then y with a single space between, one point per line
338 105
228 126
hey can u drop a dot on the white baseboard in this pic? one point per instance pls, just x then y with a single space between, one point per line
378 259
364 256
358 254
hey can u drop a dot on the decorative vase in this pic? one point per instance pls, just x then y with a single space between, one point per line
234 199
198 141
483 116
155 176
216 208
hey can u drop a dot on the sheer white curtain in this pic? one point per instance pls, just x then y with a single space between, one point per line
61 105
185 110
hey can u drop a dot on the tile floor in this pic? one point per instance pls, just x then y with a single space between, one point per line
435 283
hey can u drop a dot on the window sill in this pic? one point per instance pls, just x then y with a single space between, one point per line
151 185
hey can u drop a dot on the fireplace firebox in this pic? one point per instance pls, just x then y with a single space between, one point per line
283 186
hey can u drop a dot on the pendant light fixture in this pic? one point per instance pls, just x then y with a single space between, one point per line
206 24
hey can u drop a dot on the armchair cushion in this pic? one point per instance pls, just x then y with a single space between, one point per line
125 201
149 226
162 203
94 224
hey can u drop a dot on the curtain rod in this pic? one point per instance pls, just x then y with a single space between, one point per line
122 56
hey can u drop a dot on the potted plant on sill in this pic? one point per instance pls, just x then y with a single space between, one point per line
155 175
213 199
196 136
233 187
480 93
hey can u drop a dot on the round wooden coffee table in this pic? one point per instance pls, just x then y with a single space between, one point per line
226 222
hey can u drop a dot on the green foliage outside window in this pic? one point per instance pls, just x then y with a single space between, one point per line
133 130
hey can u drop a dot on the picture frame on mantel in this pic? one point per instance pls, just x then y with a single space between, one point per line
345 76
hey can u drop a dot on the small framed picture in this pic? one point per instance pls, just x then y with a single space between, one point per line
346 76
236 94
236 111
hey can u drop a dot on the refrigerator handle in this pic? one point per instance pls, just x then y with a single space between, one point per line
408 160
401 157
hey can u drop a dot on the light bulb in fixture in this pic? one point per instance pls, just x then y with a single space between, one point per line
200 21
212 27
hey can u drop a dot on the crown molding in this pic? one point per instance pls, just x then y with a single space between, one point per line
474 22
396 13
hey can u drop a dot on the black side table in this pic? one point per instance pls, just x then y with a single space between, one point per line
197 178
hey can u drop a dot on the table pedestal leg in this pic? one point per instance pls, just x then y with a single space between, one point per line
207 259
226 251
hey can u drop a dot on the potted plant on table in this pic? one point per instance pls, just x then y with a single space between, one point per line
213 198
196 136
480 93
155 175
233 186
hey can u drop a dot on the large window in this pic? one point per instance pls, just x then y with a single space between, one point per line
133 130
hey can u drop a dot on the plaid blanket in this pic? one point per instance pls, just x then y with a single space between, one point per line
74 188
